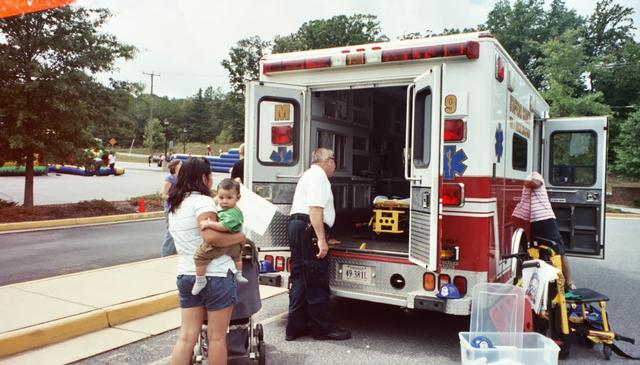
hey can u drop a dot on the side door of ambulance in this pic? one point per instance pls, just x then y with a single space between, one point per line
574 169
274 125
424 141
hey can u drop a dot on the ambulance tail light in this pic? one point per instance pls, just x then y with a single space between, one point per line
269 258
429 281
443 279
461 283
454 130
279 263
499 71
452 194
282 135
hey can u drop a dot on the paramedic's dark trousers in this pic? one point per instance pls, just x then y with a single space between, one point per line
309 293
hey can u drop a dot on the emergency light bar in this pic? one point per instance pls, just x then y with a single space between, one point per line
376 55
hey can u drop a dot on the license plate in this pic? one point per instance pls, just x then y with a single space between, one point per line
357 274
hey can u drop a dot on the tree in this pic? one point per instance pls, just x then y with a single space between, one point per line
244 62
340 30
524 27
628 154
153 135
47 63
563 66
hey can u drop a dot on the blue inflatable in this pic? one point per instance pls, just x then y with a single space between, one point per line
221 163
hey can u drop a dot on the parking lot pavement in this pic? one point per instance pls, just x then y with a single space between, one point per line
138 179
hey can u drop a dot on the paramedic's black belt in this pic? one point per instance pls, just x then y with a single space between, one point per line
301 217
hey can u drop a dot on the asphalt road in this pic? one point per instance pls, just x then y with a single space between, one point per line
388 335
39 254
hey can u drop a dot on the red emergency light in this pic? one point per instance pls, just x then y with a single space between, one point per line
461 283
281 135
469 49
499 68
452 194
454 130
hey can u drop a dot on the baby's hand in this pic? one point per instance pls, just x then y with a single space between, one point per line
204 224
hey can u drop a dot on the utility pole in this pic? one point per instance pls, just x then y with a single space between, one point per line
152 75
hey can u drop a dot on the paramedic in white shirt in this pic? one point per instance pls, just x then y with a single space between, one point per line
312 213
190 203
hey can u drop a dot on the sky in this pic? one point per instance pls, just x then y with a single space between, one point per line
186 40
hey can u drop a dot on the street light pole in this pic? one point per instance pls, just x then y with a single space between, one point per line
166 126
184 140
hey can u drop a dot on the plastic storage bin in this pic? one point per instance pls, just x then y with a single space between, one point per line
497 318
535 349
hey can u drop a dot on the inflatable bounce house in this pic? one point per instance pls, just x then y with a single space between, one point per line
222 163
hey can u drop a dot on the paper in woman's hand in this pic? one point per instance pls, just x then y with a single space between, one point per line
257 211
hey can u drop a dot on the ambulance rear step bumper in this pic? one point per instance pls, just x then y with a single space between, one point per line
271 279
430 304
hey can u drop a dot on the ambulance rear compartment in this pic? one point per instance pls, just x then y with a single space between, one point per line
365 127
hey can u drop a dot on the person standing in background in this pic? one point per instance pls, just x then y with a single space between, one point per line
208 150
112 162
168 246
237 171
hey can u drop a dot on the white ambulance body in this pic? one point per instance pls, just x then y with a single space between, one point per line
451 123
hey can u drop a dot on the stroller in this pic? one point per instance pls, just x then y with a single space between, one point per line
243 337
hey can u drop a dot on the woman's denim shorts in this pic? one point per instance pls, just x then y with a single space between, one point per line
218 294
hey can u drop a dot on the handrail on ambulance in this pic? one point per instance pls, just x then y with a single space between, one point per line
407 148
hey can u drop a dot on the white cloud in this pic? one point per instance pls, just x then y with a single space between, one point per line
185 40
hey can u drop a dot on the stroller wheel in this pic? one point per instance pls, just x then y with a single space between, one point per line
262 353
606 351
259 332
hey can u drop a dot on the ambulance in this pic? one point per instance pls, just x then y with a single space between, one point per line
433 139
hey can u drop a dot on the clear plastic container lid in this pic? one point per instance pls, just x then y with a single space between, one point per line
498 308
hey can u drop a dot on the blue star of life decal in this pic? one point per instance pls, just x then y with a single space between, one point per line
453 162
499 140
282 155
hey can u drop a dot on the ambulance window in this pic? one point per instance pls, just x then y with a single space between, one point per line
335 142
422 129
278 121
519 153
573 158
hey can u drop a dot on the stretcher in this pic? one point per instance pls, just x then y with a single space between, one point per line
576 316
389 215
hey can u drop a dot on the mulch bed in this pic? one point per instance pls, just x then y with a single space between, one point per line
91 208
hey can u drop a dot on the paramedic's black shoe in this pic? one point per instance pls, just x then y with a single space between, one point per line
306 332
338 334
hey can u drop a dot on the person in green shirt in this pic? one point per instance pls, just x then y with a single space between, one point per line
229 220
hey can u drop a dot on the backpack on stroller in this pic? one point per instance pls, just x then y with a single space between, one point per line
244 338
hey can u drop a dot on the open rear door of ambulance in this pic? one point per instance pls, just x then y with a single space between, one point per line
274 161
575 165
423 159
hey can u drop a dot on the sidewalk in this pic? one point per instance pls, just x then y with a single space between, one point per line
83 314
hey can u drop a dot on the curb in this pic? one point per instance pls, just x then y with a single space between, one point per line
59 330
70 222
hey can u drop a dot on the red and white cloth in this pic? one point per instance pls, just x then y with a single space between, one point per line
534 204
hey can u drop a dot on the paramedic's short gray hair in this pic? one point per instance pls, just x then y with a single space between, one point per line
321 155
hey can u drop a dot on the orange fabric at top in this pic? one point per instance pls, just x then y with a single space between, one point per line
16 7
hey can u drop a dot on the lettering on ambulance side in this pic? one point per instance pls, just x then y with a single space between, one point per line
519 117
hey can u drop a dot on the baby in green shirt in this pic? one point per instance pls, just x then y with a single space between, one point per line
229 220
